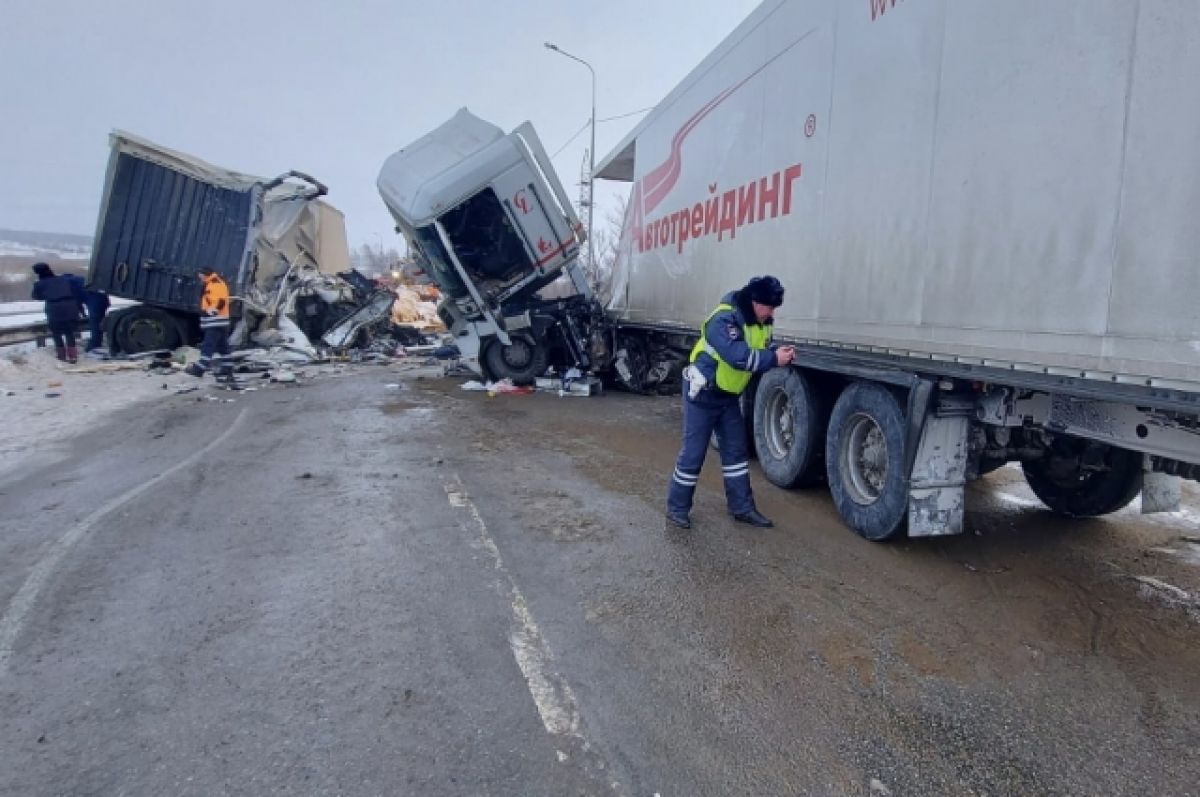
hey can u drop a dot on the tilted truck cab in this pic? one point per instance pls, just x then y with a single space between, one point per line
489 220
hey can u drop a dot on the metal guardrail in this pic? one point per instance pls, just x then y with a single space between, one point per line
36 332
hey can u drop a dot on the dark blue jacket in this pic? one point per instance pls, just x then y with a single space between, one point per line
63 295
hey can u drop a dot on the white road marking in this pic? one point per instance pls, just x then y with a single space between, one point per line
13 621
551 693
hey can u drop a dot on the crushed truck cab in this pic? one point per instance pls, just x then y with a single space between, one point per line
488 218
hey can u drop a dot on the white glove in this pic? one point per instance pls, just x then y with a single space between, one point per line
695 380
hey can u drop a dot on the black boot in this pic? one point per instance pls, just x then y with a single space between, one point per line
754 518
679 519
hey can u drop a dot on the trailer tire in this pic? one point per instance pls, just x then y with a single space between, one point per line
522 362
1092 494
864 459
748 398
143 328
790 420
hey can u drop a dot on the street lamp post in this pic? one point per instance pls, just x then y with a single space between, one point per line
591 156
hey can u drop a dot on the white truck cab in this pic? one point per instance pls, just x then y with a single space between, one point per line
488 218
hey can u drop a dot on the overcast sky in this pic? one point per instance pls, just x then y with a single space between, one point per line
328 88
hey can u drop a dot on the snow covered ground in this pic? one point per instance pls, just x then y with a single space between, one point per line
44 403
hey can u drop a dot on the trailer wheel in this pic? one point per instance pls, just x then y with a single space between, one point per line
748 398
790 419
144 328
1069 490
864 459
523 361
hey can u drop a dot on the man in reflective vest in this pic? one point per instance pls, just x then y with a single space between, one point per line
735 344
214 324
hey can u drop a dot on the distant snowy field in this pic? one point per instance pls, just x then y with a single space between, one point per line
33 252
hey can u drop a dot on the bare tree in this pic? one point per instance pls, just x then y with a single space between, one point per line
608 241
373 261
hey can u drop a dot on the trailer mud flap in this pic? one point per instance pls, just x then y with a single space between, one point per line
936 496
1161 492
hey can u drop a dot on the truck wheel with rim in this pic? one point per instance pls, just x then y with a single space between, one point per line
523 361
145 328
864 460
1062 485
790 419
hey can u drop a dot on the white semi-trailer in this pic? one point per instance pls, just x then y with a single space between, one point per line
985 217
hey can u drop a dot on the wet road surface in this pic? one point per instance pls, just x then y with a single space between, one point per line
363 590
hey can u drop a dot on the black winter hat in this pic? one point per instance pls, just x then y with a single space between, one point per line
765 290
42 270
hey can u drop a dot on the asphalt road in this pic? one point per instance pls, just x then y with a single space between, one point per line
345 588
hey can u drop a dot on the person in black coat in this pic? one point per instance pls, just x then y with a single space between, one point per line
63 295
97 306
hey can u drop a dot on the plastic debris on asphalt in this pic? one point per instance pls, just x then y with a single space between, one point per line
504 386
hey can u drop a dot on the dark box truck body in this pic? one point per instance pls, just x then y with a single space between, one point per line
159 225
165 215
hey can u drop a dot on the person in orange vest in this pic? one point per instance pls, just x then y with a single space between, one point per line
214 324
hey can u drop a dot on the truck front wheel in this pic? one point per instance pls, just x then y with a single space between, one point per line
1063 484
864 459
523 361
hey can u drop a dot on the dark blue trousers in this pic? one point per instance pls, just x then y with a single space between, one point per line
213 347
95 330
63 333
707 413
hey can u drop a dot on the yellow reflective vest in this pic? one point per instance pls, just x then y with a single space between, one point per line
730 378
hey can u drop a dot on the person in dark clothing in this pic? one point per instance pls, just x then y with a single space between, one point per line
97 305
63 295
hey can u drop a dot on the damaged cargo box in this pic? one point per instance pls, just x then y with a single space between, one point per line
164 215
